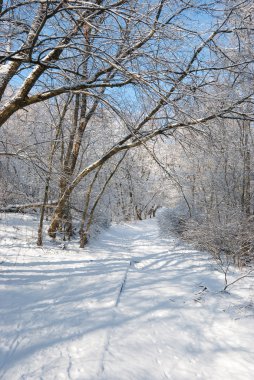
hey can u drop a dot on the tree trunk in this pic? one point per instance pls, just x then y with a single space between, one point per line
246 195
84 233
51 158
40 228
83 237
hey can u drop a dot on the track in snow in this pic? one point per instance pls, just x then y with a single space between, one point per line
131 307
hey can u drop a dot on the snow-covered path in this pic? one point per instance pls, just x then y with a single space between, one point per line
132 306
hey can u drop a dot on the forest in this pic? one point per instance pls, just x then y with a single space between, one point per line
126 189
111 110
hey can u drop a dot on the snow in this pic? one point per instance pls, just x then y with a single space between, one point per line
130 306
4 69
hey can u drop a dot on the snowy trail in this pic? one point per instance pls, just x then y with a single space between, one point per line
132 306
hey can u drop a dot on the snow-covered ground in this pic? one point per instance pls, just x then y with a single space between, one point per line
130 306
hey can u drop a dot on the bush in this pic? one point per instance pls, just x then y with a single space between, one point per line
172 220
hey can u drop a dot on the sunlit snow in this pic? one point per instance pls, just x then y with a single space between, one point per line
130 306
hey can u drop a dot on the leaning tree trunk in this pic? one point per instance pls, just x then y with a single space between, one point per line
83 238
59 213
50 167
84 233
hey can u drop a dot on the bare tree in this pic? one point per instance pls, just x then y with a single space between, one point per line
155 56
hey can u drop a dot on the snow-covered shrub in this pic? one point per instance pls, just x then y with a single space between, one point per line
229 238
172 220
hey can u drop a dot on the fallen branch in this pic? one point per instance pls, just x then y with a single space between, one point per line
21 208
